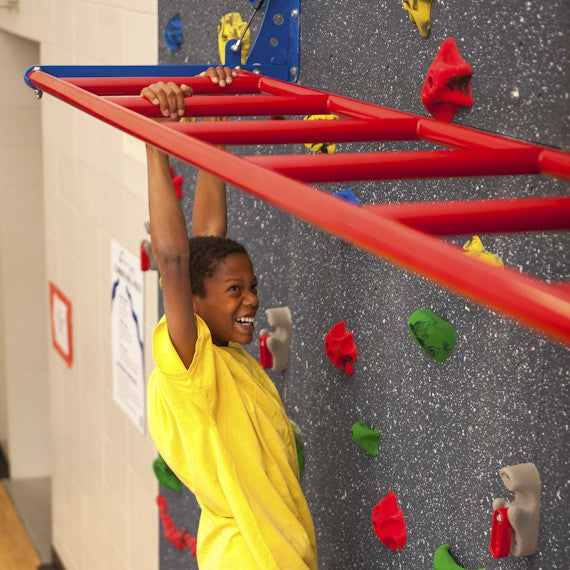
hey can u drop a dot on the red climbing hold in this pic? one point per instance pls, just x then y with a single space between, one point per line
191 543
388 522
145 257
340 348
265 356
177 181
501 534
179 538
448 83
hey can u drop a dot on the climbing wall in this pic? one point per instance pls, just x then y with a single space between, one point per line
501 398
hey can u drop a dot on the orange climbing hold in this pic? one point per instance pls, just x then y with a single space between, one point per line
448 83
388 522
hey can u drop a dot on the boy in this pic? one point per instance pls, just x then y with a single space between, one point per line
215 416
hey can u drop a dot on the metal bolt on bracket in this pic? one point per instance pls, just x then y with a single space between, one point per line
38 92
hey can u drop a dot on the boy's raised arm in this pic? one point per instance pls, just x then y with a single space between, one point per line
209 213
167 224
171 253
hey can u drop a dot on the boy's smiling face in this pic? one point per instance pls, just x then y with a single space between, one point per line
230 303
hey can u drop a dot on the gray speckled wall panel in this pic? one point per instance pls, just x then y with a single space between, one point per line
502 398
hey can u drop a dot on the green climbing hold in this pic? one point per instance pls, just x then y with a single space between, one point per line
442 559
300 444
434 335
365 437
165 475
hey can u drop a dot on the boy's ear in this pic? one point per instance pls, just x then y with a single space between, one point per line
197 303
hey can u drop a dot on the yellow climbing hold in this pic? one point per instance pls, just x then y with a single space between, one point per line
321 148
474 248
231 27
419 12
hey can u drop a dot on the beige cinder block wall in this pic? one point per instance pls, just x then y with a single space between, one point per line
94 190
24 436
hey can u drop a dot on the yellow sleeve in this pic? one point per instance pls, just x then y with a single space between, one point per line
199 378
180 401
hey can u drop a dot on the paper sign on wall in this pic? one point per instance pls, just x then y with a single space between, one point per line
127 334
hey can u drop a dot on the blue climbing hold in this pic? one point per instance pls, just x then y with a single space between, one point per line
173 33
347 195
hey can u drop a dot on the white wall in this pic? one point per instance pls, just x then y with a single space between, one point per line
103 485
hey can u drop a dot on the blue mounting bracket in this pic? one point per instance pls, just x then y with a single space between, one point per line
275 52
154 71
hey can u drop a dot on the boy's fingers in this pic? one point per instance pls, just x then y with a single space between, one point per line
149 94
228 72
221 76
173 95
186 89
170 98
187 92
179 102
217 75
212 74
160 93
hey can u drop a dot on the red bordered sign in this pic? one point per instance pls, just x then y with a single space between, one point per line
60 311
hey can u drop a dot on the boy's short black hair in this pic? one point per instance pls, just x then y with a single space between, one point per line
205 253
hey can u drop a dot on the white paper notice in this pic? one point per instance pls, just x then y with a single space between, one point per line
127 334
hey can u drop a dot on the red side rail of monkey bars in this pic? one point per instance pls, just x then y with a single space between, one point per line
400 233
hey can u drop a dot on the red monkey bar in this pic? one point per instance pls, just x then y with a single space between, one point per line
398 233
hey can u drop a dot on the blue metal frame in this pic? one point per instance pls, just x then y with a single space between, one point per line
117 71
275 52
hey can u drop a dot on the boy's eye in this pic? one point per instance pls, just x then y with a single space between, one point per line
233 288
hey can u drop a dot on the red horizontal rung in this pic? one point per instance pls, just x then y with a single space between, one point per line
229 105
362 110
481 216
463 137
343 167
555 163
299 131
134 85
336 104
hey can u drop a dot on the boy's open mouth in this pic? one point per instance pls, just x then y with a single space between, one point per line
245 322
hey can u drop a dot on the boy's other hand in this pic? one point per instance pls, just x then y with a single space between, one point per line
221 75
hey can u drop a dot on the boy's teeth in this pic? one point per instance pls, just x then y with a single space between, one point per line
245 320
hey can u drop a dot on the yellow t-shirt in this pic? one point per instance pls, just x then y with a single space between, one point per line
221 427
